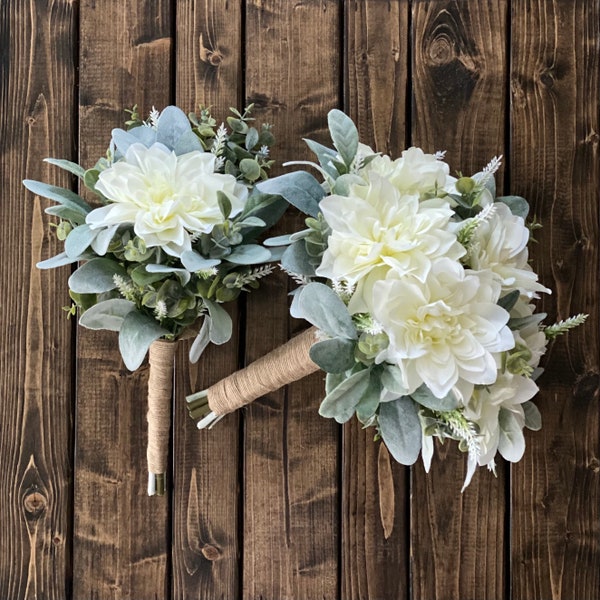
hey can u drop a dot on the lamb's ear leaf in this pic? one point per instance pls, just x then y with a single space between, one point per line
136 335
400 429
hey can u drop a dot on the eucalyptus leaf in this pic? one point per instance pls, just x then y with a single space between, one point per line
79 240
341 402
108 314
224 204
136 335
194 262
221 326
58 194
344 135
96 276
400 429
333 356
67 165
533 418
201 341
425 397
251 138
299 188
518 205
249 254
321 306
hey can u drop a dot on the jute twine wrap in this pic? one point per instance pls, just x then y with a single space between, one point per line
160 386
283 365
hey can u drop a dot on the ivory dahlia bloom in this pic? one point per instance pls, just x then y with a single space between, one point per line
500 245
445 331
167 198
415 172
377 227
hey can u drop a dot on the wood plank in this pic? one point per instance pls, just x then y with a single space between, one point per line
290 458
375 82
555 163
121 537
459 105
206 545
36 417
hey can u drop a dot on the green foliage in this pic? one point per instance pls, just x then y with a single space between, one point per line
400 429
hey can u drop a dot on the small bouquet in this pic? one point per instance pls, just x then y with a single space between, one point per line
421 296
174 239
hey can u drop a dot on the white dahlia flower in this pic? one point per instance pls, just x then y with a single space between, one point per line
376 227
499 245
443 332
167 198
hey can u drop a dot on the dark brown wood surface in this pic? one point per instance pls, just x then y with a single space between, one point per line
36 415
276 503
290 497
206 520
459 105
555 163
375 561
121 536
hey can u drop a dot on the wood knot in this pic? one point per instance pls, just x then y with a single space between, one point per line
209 56
210 552
35 504
594 465
441 50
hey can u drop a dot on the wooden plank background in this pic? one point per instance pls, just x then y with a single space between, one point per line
276 503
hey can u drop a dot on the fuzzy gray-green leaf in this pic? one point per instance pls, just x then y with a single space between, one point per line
96 276
136 335
108 314
400 429
333 356
322 307
341 402
344 135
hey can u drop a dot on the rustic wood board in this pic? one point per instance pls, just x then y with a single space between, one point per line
374 560
555 163
290 501
206 471
458 541
36 121
122 536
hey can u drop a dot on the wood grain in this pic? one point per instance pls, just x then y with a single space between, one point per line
291 537
555 164
459 105
122 536
375 81
36 121
206 500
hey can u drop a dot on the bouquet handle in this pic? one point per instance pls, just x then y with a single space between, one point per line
160 388
281 366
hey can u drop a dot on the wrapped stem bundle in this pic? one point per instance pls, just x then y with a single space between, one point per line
160 388
286 364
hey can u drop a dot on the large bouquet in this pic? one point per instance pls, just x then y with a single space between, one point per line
174 237
421 296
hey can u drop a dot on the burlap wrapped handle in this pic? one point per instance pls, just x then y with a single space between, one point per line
160 388
282 366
